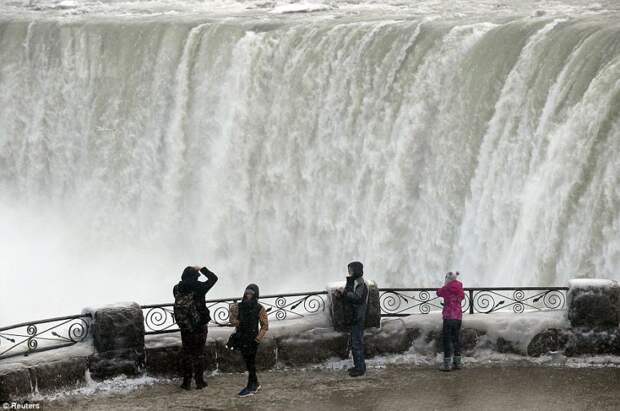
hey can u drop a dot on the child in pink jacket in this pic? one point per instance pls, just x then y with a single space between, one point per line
452 294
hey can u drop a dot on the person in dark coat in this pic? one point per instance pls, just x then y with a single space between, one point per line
192 317
246 317
355 294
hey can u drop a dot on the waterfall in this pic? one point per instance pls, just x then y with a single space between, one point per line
276 151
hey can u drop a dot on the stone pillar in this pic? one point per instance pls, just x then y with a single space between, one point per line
340 313
118 336
593 303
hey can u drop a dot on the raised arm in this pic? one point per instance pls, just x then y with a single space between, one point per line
211 280
441 291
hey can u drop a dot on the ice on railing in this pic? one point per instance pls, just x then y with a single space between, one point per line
592 283
160 318
26 338
400 302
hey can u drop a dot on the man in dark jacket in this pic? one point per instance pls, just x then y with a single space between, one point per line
356 294
192 317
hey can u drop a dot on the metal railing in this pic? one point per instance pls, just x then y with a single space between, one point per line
402 302
43 335
394 302
53 333
159 318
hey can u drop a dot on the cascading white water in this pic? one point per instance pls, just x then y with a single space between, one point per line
277 149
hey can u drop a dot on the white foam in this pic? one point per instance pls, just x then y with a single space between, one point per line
117 385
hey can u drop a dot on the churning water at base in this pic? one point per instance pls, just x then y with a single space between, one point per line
277 149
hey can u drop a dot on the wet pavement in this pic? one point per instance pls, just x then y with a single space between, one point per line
389 388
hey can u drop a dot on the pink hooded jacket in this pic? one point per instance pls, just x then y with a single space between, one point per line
452 294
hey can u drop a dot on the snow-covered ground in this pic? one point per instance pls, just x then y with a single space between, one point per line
385 387
414 359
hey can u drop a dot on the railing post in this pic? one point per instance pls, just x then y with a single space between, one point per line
471 301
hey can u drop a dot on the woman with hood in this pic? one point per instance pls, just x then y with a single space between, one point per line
246 317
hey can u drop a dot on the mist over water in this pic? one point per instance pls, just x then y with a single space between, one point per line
276 148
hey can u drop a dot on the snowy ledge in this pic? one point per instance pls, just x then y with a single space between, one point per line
591 283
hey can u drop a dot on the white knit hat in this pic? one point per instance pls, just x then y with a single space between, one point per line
451 276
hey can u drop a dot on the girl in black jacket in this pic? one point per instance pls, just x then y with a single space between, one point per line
246 317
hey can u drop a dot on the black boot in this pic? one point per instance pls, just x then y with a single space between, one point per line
200 381
356 372
187 383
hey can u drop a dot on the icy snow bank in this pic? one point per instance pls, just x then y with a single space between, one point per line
519 329
591 283
82 349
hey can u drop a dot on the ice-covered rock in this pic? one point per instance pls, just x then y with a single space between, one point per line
547 341
469 339
593 342
165 360
341 313
118 333
312 346
593 303
505 346
232 361
392 337
14 383
44 371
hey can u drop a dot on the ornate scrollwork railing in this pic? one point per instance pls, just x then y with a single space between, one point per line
159 318
49 334
401 302
43 335
517 300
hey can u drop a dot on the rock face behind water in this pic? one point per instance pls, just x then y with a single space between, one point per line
341 313
594 304
118 334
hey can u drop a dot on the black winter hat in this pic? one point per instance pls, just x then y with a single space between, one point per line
190 273
356 268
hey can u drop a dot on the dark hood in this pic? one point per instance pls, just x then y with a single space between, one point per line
254 288
356 268
190 274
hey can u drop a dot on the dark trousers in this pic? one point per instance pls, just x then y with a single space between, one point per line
249 355
357 346
193 354
451 336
